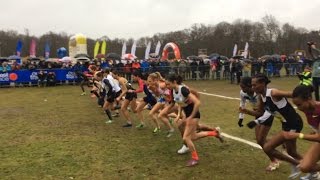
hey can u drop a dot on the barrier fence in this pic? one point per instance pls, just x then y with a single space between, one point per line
66 76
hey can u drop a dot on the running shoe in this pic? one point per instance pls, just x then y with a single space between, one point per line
311 176
115 115
82 94
295 172
170 133
140 126
192 162
273 166
220 136
127 125
109 122
183 150
117 107
156 130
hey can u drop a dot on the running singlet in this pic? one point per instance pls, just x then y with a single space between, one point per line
313 118
181 98
291 119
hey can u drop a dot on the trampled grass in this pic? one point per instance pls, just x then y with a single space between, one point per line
54 133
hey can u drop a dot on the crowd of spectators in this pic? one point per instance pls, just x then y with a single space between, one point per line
215 68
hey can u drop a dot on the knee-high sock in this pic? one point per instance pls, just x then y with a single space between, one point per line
108 114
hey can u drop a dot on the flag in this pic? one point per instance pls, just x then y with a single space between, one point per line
32 48
46 50
147 52
158 48
96 49
104 48
19 48
124 48
235 49
133 48
246 50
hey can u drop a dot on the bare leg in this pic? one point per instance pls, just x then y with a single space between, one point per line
269 148
310 159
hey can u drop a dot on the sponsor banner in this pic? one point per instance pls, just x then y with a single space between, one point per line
25 76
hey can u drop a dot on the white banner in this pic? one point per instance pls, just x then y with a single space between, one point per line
133 48
124 48
147 52
158 48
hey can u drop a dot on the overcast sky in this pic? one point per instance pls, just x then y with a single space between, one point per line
138 18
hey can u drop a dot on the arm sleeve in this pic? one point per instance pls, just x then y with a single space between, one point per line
242 104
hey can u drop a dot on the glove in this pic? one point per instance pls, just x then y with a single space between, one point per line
240 122
251 124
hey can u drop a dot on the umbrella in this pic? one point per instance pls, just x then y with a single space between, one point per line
213 55
52 60
129 57
238 57
83 59
81 55
154 55
34 59
66 59
224 58
2 59
13 57
193 57
114 56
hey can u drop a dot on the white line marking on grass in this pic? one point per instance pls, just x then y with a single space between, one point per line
242 140
227 135
217 95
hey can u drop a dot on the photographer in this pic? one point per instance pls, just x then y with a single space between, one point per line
314 52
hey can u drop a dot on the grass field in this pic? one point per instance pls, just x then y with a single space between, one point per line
65 137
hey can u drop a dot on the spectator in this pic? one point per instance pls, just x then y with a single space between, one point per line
51 79
15 66
127 70
42 78
194 68
164 68
136 66
201 68
145 66
183 68
5 67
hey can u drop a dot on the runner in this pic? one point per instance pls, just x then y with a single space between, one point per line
276 101
261 130
189 103
302 98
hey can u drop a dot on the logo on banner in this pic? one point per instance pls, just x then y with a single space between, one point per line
34 76
4 77
13 76
71 75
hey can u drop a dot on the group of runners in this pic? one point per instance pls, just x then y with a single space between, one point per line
173 103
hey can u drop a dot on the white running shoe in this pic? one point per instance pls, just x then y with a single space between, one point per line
295 172
170 133
311 176
220 136
184 149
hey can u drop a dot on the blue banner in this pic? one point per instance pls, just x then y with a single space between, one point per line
26 76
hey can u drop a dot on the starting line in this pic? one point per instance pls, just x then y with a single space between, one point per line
230 136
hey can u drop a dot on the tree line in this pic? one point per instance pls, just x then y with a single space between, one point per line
267 36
